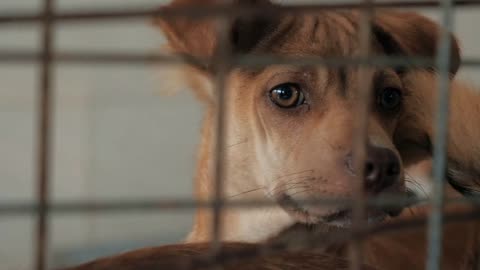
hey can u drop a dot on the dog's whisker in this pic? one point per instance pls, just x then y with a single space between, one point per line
287 175
412 212
245 192
416 185
302 178
299 183
237 144
299 192
467 186
287 186
410 179
283 185
292 187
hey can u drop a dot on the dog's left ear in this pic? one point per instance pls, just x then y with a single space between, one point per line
411 34
198 37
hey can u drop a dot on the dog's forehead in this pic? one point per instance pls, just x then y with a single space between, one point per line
324 34
321 34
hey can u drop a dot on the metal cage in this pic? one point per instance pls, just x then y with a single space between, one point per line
48 18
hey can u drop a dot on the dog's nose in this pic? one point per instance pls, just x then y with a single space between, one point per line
382 168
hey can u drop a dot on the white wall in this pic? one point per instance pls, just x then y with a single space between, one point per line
116 136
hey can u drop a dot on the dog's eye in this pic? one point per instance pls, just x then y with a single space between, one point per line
390 99
287 95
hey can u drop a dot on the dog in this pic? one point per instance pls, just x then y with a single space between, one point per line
406 248
289 129
232 256
405 134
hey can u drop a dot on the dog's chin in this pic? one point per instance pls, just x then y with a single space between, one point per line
342 218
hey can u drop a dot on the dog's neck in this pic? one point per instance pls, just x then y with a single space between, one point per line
241 182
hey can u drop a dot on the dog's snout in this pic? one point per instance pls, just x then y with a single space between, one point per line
382 168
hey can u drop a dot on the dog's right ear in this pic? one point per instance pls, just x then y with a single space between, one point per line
409 33
198 37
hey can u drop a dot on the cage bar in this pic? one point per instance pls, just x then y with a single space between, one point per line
44 135
440 140
223 61
217 11
222 64
141 204
13 56
360 138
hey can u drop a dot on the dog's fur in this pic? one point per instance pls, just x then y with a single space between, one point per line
461 241
297 153
232 256
258 138
463 150
405 249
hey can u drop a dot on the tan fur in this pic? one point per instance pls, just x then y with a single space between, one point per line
259 142
268 152
463 149
402 243
407 250
233 256
401 249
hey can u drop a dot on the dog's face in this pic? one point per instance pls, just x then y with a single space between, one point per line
301 124
294 126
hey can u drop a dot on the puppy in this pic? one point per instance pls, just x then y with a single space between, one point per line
399 249
290 129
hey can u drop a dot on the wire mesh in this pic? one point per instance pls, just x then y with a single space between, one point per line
44 137
224 60
222 65
213 11
360 138
440 143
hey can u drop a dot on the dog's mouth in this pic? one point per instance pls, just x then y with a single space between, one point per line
342 217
